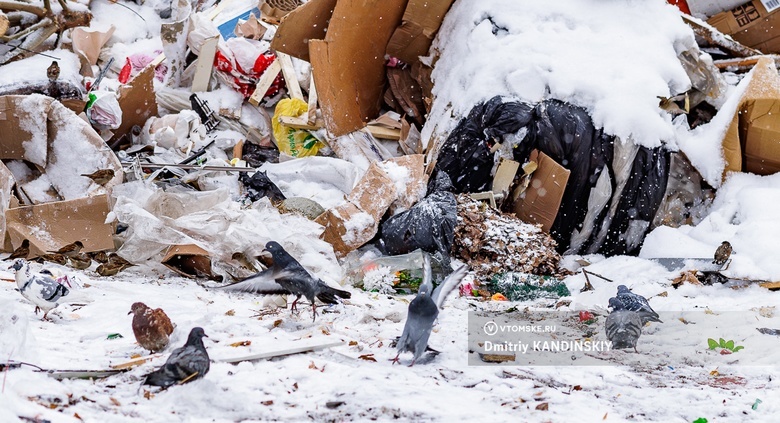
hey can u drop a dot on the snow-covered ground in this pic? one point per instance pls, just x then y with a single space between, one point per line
673 378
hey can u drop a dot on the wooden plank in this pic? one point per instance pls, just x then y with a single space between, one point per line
293 88
134 362
713 36
312 113
300 123
81 374
287 351
200 82
384 133
770 285
265 82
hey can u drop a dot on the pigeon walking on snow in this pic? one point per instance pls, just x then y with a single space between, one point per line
151 327
623 326
424 309
287 276
636 302
185 364
722 254
40 289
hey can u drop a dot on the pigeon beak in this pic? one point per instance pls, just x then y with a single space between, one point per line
130 312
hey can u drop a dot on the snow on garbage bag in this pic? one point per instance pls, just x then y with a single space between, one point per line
466 154
429 225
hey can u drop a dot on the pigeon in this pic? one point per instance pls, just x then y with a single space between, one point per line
80 261
101 177
21 252
636 302
287 276
185 364
722 254
40 289
623 326
151 327
424 309
70 250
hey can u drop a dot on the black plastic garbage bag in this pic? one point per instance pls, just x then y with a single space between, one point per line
466 156
566 133
638 202
259 186
429 225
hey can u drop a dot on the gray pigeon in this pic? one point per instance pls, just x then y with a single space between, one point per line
185 364
636 302
424 309
287 276
623 326
40 289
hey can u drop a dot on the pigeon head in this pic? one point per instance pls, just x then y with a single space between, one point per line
622 289
195 336
424 289
137 308
615 304
273 246
18 264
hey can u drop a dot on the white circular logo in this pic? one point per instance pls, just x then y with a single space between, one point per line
491 328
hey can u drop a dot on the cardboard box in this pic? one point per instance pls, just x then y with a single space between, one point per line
39 131
349 62
421 22
752 140
542 199
711 7
189 261
752 24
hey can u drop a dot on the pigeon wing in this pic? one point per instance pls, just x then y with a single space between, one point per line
260 283
450 283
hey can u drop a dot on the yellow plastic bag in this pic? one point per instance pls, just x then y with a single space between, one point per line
295 142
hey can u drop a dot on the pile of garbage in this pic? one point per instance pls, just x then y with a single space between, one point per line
312 125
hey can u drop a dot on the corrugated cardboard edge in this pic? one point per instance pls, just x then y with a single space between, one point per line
188 250
307 22
541 201
349 64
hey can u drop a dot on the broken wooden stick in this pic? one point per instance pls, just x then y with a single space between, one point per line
715 37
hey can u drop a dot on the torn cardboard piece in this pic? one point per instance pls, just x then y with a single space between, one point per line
308 22
54 225
751 141
752 24
356 222
189 261
275 10
349 63
540 202
87 44
421 22
41 133
137 101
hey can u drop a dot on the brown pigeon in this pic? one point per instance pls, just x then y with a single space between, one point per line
151 327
